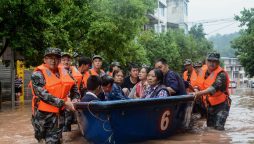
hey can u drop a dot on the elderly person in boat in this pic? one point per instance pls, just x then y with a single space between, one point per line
156 88
117 92
138 91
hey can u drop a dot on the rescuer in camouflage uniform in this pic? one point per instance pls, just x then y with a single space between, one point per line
69 117
216 95
48 125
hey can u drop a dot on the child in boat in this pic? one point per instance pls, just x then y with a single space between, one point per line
93 89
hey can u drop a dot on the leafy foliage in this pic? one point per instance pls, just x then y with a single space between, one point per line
106 27
244 44
175 47
111 28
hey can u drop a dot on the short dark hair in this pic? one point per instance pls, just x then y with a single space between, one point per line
84 60
147 68
116 72
159 75
106 79
133 65
162 60
93 82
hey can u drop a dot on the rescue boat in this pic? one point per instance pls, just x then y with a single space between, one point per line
135 120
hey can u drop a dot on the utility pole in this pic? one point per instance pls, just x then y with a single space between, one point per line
158 16
12 79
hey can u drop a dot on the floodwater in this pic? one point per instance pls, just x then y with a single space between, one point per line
16 128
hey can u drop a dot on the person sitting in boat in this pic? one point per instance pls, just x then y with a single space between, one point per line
171 80
156 88
117 92
114 66
138 91
131 80
93 89
106 85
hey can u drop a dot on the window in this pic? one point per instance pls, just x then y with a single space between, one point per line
185 8
161 9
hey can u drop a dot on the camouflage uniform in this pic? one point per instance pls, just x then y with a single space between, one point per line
188 62
48 125
217 115
69 116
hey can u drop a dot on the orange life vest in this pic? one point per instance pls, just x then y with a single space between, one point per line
219 96
87 75
58 87
193 77
200 78
110 74
204 67
77 75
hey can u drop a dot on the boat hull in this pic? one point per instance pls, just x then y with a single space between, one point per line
133 120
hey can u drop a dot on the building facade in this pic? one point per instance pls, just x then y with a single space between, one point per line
169 14
235 70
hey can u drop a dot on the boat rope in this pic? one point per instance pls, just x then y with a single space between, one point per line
110 139
97 117
88 107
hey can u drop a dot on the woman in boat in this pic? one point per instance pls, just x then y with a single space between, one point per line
156 88
138 91
117 93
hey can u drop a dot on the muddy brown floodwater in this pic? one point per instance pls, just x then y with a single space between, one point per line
16 128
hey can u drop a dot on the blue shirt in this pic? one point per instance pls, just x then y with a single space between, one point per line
116 93
173 80
89 97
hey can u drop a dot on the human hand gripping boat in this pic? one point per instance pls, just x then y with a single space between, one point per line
133 120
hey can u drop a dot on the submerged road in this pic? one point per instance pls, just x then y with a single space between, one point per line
16 128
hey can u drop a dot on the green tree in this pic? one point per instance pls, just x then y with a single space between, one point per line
244 44
197 31
106 27
201 45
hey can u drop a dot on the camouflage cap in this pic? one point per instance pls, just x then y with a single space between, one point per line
187 62
53 51
66 54
213 56
197 64
115 64
97 57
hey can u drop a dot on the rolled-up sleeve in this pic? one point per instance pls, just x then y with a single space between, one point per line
220 82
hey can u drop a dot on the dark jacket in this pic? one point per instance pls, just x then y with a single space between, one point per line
89 97
116 93
173 80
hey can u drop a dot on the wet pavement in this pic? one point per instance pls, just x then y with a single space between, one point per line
16 128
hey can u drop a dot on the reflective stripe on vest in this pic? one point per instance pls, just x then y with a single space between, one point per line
218 97
57 87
